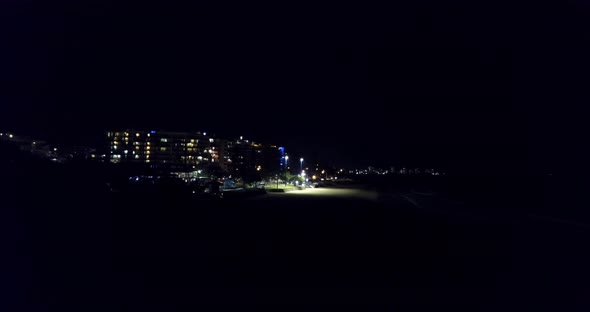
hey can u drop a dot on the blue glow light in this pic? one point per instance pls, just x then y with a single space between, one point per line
153 131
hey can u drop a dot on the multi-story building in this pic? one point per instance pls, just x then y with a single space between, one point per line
246 155
161 149
186 151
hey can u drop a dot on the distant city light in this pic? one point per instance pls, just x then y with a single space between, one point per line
125 151
205 133
10 136
241 137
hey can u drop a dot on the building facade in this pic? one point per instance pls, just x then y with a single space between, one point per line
188 151
245 155
161 149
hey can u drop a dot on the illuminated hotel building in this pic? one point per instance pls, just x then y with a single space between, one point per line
173 150
185 151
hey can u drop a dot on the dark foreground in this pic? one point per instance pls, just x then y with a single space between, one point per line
83 249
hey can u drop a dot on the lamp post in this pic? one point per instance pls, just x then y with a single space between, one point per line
301 163
286 162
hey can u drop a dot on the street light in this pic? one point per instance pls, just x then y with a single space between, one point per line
301 163
286 161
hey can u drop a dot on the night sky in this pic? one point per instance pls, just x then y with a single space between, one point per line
498 87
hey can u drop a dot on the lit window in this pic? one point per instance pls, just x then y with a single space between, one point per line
148 147
211 140
126 133
162 149
163 140
136 156
10 136
137 134
148 135
147 160
114 147
125 151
